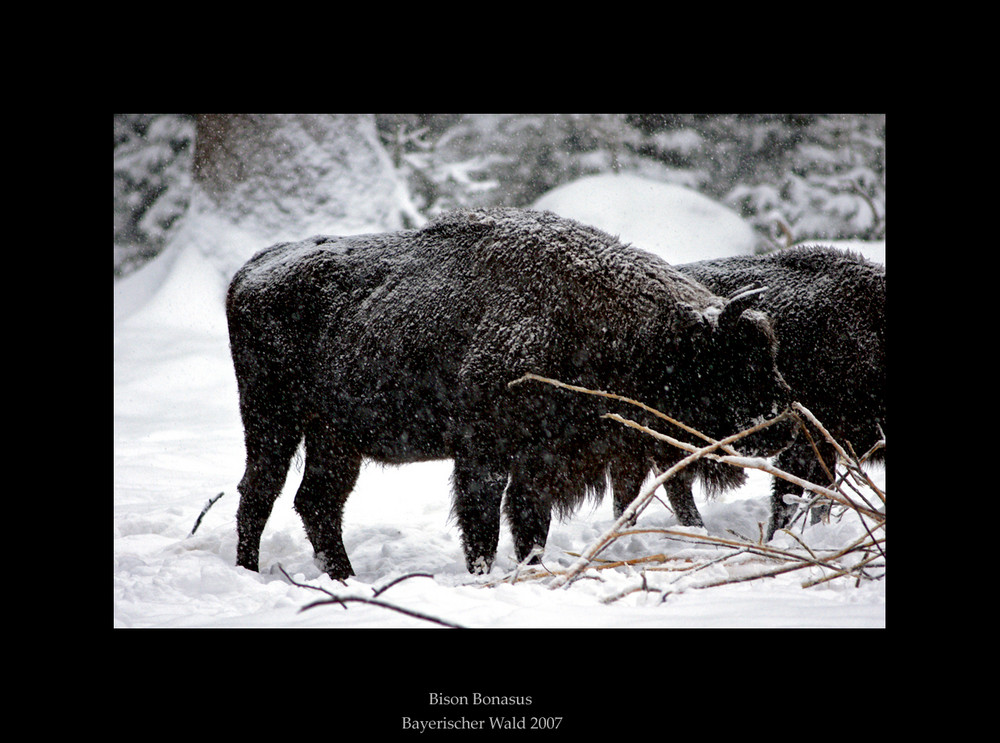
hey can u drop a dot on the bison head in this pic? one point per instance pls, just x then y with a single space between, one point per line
719 374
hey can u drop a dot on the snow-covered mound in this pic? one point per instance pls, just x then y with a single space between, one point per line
678 224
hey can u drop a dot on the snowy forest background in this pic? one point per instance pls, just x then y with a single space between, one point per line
793 177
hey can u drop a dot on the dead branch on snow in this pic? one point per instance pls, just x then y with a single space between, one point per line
863 559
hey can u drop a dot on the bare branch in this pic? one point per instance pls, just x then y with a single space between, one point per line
400 579
631 513
344 600
746 462
852 477
197 523
612 396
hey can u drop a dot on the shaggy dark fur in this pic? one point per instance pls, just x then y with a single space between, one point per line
400 347
827 307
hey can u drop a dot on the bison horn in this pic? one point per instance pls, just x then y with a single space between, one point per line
743 299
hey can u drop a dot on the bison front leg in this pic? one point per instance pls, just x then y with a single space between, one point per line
799 460
781 512
478 491
626 480
528 509
681 497
330 475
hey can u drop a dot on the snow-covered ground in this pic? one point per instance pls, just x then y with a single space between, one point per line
178 443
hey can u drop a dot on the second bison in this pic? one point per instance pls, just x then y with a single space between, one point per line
401 347
827 307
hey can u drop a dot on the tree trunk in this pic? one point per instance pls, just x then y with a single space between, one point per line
289 176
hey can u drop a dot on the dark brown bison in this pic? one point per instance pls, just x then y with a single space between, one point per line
827 308
401 347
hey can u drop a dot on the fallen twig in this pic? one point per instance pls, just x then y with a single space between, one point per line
723 451
631 513
211 502
400 579
344 600
799 407
612 396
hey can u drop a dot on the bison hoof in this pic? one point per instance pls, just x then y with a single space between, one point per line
249 564
819 513
479 565
531 556
774 526
336 568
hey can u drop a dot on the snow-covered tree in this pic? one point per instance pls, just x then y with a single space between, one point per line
808 176
272 177
153 155
791 176
258 178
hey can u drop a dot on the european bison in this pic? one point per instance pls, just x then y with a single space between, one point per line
827 307
400 347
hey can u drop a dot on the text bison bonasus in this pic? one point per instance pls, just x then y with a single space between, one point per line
400 347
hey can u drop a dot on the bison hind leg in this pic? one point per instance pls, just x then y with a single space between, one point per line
269 454
331 472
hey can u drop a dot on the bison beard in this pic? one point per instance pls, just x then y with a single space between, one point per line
400 347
